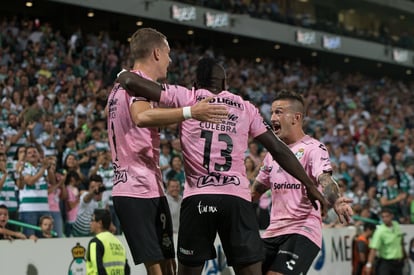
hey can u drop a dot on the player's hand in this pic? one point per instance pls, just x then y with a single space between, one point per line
343 209
255 195
204 111
122 77
314 195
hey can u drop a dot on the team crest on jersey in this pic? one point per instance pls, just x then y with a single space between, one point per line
266 168
299 154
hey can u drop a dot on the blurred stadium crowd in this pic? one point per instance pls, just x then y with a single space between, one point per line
286 12
53 95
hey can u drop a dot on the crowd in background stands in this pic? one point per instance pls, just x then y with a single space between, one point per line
53 95
270 10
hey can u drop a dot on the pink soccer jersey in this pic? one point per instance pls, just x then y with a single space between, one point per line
135 151
291 211
214 153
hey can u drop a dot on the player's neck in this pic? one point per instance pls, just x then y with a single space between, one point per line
146 69
294 137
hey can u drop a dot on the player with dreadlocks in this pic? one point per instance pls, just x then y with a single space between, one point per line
217 197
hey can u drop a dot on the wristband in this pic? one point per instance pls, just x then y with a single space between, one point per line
187 112
123 70
369 265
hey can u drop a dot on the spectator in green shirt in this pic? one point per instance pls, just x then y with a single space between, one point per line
387 245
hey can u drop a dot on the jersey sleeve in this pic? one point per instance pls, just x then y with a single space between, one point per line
129 99
320 160
257 124
176 96
132 99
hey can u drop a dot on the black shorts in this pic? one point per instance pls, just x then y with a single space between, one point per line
289 254
147 227
233 218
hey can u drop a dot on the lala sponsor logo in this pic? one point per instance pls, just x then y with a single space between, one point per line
215 179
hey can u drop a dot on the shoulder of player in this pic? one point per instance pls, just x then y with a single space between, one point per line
175 87
229 95
313 143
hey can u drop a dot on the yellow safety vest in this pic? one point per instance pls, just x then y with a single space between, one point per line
114 257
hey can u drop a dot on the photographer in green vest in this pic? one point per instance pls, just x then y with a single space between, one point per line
106 254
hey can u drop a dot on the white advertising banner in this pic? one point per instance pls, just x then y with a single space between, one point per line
66 255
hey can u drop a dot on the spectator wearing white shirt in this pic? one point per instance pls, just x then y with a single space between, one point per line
385 164
48 138
89 201
165 159
174 201
363 162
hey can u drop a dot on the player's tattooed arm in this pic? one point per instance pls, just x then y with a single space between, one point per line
330 187
341 204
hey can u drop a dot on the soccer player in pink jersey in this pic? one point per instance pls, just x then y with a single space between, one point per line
294 235
217 197
138 192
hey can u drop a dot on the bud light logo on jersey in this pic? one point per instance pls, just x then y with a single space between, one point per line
222 100
215 179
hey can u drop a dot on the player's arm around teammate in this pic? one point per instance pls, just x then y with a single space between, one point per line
138 86
145 116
